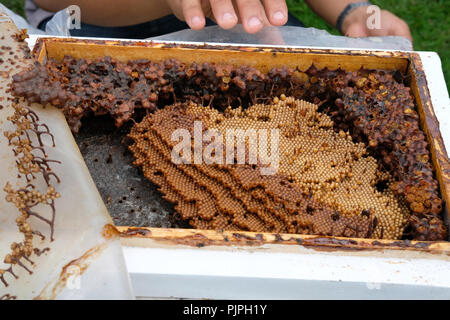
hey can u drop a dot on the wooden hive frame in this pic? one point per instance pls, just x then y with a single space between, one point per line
265 58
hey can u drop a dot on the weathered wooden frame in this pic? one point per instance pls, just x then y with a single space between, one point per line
264 58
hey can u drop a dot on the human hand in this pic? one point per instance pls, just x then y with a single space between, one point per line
355 25
253 14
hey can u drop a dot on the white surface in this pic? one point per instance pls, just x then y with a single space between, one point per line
285 35
216 273
295 273
81 262
438 91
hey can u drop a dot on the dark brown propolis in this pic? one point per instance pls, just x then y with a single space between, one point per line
107 86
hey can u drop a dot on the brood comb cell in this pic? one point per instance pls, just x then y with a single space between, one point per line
311 202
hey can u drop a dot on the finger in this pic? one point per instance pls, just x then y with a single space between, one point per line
356 31
193 14
402 29
276 11
252 15
224 13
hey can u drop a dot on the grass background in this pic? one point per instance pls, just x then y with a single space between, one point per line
429 21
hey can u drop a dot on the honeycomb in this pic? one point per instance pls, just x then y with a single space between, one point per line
310 194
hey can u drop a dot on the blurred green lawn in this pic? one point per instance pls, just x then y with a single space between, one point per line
429 21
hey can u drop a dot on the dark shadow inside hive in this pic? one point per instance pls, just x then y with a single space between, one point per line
130 198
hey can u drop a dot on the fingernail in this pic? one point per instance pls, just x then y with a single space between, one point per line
278 16
227 17
196 21
254 22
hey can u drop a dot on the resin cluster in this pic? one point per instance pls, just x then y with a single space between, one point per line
32 162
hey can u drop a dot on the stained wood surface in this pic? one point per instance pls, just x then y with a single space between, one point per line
265 59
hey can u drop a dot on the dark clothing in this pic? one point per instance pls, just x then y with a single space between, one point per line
158 27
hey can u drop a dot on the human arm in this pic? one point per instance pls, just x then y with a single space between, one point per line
355 23
253 14
114 13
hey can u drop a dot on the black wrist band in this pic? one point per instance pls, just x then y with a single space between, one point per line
347 10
